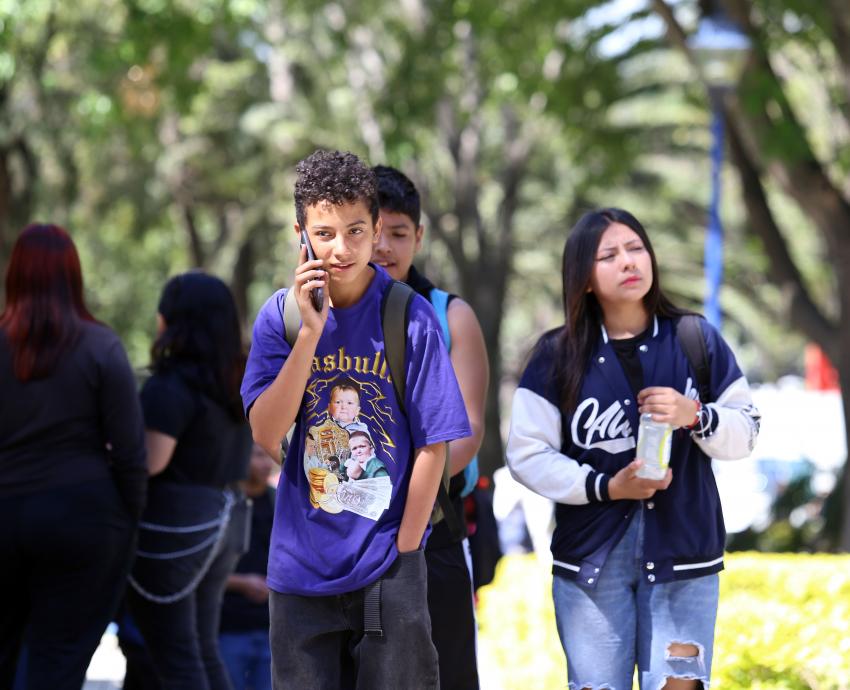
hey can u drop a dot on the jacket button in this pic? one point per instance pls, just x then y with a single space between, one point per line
650 505
643 348
650 565
590 580
601 360
627 402
650 577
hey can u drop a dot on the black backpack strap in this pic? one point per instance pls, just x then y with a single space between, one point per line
394 314
691 338
291 317
444 501
394 317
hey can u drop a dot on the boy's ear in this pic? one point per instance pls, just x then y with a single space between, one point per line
420 231
379 227
297 228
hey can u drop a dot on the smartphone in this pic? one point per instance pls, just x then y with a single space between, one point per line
317 295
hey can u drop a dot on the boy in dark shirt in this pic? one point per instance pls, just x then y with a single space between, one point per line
450 598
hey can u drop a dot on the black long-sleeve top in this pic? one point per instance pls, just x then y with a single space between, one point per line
81 423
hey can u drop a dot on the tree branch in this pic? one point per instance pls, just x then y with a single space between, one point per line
675 32
517 153
40 58
196 247
437 215
359 80
800 174
224 228
805 315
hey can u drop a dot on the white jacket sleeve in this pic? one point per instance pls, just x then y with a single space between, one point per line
728 428
534 458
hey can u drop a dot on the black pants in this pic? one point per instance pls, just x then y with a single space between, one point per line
318 643
182 637
450 603
139 673
64 558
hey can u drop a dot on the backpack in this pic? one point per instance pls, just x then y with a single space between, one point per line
692 340
440 301
395 306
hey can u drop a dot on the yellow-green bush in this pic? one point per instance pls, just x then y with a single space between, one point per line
784 622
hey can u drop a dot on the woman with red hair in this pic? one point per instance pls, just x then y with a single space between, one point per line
72 466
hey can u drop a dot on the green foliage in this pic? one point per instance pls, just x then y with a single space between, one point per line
783 623
164 134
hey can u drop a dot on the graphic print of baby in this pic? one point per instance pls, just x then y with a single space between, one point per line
344 406
363 464
340 456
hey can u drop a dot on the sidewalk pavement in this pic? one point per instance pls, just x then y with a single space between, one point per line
106 671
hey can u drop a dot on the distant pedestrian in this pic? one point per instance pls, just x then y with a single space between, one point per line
72 466
244 636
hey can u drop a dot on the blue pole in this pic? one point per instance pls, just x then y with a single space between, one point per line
714 232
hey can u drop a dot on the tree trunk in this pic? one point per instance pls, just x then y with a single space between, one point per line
804 179
15 208
6 230
488 300
842 364
804 314
844 477
243 275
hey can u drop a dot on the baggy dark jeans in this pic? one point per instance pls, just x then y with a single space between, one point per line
318 643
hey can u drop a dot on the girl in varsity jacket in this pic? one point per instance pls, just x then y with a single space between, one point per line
635 560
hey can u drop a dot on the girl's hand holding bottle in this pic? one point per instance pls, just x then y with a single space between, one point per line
668 405
627 485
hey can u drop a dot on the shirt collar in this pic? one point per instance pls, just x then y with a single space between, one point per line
654 329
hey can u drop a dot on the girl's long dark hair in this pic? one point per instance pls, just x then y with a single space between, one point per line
574 342
44 300
202 340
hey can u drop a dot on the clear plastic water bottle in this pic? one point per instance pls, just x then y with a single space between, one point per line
653 447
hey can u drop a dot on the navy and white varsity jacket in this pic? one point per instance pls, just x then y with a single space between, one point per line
570 459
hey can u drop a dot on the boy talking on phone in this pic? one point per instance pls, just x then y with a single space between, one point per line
346 567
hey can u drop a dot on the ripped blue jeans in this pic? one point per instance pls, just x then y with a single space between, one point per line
626 621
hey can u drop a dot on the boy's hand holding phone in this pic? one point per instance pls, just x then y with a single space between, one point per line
317 294
310 279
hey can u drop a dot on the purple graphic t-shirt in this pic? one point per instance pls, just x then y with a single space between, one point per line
343 487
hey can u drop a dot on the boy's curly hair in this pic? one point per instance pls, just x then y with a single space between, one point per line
336 177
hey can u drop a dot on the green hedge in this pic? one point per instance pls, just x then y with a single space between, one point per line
784 622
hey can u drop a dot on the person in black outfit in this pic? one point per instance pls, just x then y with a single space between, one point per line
450 593
72 466
198 448
244 632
